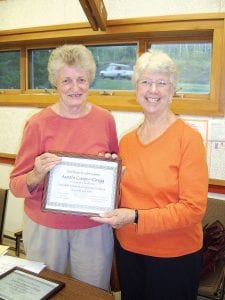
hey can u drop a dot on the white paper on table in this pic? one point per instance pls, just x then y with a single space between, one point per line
8 262
3 249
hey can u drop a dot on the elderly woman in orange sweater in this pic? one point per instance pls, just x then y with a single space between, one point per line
163 193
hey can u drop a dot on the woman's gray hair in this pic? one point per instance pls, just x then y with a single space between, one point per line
71 55
155 61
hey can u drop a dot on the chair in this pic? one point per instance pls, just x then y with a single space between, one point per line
17 235
3 203
17 238
114 280
213 285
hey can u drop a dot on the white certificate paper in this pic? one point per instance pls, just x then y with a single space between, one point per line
83 185
19 284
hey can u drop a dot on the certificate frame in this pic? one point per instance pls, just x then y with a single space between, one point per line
82 184
20 282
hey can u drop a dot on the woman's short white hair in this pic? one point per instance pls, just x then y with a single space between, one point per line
71 55
155 61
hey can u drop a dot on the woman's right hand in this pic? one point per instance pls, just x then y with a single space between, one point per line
117 218
42 165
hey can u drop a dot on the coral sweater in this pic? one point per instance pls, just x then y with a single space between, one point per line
47 131
167 181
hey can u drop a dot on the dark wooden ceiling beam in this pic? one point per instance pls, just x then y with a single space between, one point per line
96 13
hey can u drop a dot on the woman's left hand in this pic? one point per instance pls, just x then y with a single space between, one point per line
108 155
117 218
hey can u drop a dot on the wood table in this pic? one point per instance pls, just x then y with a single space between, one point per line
75 289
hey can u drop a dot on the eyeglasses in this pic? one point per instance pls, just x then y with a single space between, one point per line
160 84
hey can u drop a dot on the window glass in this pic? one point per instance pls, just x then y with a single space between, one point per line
38 72
114 66
194 63
9 69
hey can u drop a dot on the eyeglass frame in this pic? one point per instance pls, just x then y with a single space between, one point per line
147 83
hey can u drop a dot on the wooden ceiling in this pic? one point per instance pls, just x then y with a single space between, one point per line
96 13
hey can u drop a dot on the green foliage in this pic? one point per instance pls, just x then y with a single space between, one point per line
194 64
112 84
39 69
120 54
10 70
193 59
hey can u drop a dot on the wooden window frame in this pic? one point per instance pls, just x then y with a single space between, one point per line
215 185
140 30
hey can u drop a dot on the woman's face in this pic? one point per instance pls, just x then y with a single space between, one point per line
154 92
72 86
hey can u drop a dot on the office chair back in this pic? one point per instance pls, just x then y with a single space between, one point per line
3 203
213 286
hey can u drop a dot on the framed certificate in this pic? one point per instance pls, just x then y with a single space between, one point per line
82 184
18 283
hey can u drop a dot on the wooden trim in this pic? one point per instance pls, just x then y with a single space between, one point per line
23 70
121 22
169 18
125 28
117 102
215 185
142 31
95 12
218 189
222 74
7 158
217 182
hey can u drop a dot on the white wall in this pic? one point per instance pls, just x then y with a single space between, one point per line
14 210
26 13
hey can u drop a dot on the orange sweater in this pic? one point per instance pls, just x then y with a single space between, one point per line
167 180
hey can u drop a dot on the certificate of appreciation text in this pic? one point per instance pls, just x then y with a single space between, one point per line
82 184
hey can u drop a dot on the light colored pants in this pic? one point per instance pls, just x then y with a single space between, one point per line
88 252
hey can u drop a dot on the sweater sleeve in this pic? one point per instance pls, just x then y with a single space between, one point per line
113 136
190 206
29 149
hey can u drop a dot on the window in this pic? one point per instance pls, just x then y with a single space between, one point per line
9 70
195 41
114 66
38 73
194 61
